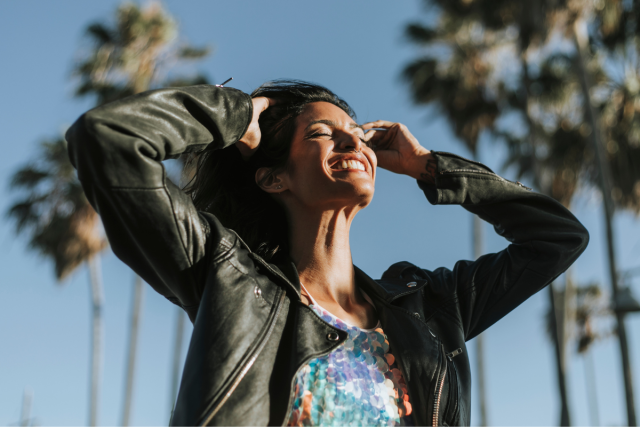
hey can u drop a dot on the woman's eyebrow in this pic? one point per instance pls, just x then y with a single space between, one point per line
326 122
332 123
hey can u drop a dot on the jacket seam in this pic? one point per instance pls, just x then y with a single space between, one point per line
223 256
483 178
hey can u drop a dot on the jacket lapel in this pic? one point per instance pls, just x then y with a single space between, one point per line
388 289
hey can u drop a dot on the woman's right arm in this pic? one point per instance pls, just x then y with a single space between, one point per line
152 225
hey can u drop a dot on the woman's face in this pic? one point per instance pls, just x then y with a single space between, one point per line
330 166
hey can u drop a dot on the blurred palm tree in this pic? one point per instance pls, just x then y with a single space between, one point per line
138 51
553 135
134 54
454 74
61 225
604 144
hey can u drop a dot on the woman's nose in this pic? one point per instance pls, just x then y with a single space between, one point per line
351 142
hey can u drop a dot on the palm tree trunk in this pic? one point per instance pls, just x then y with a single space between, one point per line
27 399
582 48
136 310
480 364
97 302
559 344
565 418
590 380
177 357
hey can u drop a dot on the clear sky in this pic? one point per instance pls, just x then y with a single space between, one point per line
355 48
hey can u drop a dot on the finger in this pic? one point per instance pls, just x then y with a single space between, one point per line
384 124
380 140
370 134
260 103
375 136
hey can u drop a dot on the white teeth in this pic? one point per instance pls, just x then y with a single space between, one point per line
351 164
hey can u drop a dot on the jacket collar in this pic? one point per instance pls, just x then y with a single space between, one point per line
289 270
387 289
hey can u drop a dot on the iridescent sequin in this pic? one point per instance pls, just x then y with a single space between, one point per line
358 383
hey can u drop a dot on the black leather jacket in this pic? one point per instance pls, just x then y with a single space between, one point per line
251 331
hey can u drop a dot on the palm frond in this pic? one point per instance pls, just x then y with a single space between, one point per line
419 34
193 52
100 33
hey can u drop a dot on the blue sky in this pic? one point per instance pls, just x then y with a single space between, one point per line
356 49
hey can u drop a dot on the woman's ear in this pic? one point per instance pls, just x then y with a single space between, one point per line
270 180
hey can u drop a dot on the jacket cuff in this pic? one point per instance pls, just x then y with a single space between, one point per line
248 106
463 181
241 104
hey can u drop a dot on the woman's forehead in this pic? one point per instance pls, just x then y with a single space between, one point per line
325 113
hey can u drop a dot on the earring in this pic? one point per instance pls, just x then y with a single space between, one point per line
278 187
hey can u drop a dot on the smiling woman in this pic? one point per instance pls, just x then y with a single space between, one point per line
286 329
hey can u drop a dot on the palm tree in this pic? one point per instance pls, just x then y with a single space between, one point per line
583 125
465 82
137 52
609 146
134 54
456 86
61 225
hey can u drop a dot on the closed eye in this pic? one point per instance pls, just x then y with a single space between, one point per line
314 135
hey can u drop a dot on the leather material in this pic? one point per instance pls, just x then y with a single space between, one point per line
251 331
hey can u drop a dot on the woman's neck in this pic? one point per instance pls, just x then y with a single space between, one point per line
319 243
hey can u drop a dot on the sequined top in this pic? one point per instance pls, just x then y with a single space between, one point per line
358 383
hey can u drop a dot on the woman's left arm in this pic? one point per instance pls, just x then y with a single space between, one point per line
545 238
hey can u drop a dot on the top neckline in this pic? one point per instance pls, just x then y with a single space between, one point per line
364 294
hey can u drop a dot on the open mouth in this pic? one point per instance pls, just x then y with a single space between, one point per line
349 165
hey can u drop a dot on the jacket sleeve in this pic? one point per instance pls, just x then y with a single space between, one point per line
153 226
545 239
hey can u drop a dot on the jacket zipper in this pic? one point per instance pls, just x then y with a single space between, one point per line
486 173
248 364
440 385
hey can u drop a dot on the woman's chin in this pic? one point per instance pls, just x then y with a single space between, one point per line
357 193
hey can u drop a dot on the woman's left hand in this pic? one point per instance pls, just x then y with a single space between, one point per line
399 151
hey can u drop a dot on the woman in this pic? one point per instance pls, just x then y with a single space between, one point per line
286 329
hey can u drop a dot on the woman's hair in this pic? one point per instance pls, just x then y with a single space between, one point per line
224 184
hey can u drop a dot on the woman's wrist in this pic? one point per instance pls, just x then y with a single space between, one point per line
423 166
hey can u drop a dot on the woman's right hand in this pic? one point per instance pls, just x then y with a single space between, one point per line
249 142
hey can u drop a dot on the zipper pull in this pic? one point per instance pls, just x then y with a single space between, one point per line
453 354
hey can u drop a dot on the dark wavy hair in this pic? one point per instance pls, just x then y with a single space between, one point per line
224 184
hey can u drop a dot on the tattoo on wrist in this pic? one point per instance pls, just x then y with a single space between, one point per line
430 175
